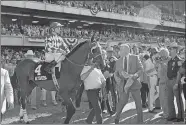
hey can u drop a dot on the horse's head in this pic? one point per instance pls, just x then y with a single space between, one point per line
96 53
83 52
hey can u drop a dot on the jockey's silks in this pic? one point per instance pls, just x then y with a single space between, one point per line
56 43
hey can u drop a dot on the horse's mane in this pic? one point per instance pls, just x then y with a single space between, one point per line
75 48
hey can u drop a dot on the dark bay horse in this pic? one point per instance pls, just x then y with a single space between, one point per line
69 80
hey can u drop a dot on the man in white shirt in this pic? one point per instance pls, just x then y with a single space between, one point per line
151 72
6 92
93 82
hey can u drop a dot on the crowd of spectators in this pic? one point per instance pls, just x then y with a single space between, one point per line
109 6
7 54
37 31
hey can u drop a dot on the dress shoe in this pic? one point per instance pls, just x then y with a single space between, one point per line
158 108
33 108
144 106
152 111
116 121
178 120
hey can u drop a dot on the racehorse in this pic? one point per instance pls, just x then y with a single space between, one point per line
69 80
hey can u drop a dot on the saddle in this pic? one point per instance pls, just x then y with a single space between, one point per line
43 70
48 65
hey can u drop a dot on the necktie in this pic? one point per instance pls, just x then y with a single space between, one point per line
125 64
125 69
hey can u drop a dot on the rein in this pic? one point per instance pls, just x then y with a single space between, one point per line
75 63
81 64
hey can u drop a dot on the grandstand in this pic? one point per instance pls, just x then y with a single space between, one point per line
25 23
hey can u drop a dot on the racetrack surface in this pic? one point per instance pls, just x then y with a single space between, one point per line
54 115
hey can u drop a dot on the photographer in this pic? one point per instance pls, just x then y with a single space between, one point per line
108 73
181 77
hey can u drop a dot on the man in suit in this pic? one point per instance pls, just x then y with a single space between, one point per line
128 66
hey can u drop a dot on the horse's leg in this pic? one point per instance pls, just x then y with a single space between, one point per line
79 95
23 113
70 108
23 95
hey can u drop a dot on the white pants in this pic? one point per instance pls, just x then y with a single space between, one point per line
43 95
152 96
54 56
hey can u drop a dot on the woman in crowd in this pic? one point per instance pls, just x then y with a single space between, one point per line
154 53
151 72
162 75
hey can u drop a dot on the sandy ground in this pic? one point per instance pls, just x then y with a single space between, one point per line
54 115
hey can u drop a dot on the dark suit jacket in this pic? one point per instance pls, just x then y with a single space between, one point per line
134 66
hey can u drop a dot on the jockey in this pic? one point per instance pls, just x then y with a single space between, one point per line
56 49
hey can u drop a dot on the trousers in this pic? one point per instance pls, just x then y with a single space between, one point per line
152 91
171 94
123 99
163 98
144 92
43 94
93 97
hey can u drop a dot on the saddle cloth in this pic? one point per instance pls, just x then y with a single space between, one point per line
41 75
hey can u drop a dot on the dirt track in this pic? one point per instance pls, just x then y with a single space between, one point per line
54 115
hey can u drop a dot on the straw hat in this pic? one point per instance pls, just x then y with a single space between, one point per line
55 24
29 53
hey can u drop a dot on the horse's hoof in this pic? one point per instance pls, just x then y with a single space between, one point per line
27 122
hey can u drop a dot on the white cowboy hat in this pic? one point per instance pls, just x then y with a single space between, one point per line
110 49
29 52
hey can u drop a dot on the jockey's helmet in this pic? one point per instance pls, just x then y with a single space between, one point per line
55 24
